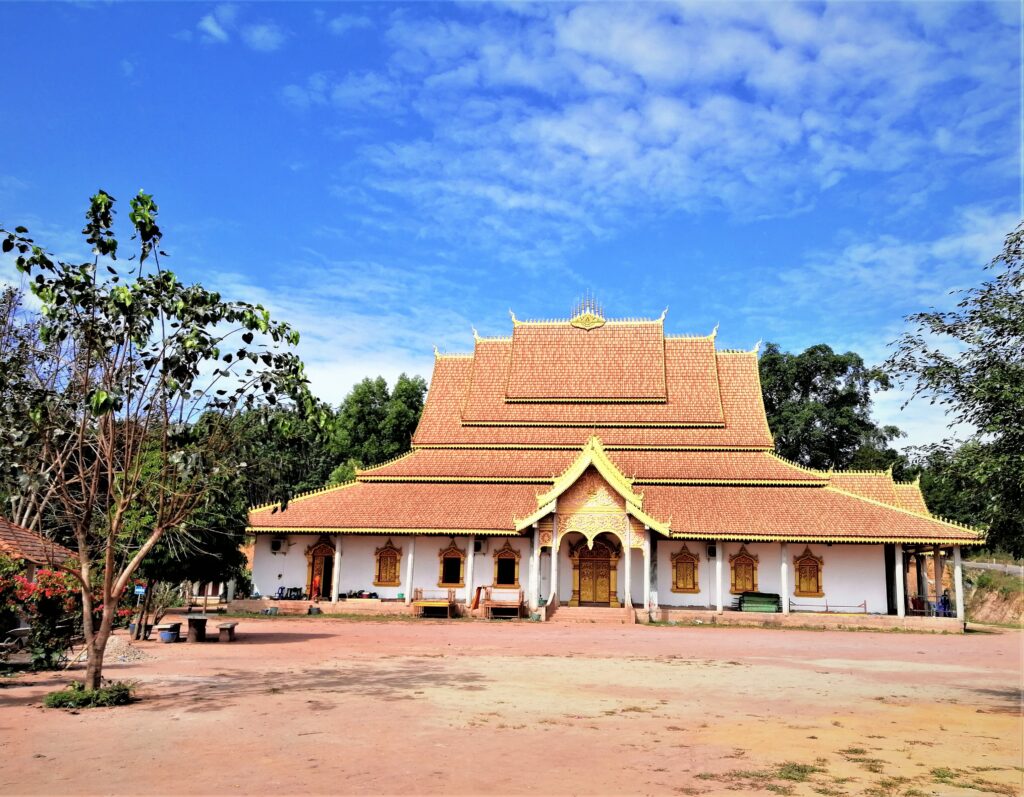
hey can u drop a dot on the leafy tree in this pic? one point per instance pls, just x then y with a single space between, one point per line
971 361
819 408
144 359
29 368
948 479
375 424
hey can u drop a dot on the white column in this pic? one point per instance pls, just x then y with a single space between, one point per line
958 584
901 578
627 586
336 572
409 562
719 597
535 570
470 562
553 597
784 576
647 570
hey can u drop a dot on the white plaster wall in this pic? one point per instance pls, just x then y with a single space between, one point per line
284 569
636 577
850 574
545 573
359 563
564 573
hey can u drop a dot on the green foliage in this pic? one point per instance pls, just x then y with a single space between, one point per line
76 695
134 426
971 361
50 605
9 569
819 408
376 424
948 480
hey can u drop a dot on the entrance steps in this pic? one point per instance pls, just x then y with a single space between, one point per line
591 614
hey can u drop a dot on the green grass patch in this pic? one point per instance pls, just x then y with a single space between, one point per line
76 695
797 772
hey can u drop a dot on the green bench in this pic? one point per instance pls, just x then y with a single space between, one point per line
766 602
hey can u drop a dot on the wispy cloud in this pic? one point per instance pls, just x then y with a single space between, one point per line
265 37
222 24
624 112
213 27
344 23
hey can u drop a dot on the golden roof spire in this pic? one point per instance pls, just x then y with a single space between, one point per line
588 313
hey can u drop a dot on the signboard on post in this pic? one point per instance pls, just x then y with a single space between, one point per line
140 589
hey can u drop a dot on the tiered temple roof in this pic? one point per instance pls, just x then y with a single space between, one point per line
677 420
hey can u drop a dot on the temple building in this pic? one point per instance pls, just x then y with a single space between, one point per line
592 462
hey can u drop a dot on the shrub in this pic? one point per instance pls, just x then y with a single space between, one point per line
76 695
50 604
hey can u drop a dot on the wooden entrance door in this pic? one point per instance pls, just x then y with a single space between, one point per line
595 576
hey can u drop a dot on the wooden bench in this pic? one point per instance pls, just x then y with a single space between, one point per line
502 600
421 601
226 632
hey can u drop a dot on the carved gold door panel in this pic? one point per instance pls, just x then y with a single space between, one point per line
602 581
586 580
595 581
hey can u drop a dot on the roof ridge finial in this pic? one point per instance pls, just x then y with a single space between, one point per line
663 314
437 352
714 332
515 321
476 336
587 313
757 346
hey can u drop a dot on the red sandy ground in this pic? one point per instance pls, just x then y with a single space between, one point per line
319 706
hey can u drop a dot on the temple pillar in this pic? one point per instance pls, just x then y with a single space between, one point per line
719 597
958 583
937 575
627 581
784 576
336 572
470 565
409 564
900 574
535 570
553 597
647 570
922 577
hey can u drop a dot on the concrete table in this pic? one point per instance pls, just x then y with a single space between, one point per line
197 627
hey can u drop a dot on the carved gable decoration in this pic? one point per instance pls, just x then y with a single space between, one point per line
591 507
591 493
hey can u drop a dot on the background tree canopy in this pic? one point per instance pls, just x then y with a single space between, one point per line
971 360
819 409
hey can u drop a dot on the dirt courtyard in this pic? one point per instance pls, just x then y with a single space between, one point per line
333 706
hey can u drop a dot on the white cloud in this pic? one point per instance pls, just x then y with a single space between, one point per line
343 23
624 111
265 37
213 26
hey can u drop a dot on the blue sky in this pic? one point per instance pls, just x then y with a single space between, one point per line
386 176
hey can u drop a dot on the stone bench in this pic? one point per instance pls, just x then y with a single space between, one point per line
227 632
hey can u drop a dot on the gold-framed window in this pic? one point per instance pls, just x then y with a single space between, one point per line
685 576
742 572
451 566
387 566
807 581
506 567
